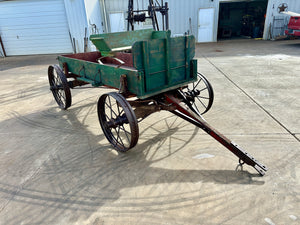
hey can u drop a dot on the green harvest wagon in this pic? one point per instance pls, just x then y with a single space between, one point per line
151 71
152 61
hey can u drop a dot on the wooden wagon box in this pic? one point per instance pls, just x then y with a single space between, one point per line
152 61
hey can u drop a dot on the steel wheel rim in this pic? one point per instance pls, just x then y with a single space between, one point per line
118 121
59 86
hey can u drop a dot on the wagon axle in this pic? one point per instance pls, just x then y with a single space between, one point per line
191 95
119 121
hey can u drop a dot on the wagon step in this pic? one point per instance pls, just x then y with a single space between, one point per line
187 114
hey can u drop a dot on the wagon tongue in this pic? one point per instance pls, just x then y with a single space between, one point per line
187 114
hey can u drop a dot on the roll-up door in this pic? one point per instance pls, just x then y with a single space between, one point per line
34 27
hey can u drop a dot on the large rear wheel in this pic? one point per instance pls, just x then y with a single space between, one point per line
118 121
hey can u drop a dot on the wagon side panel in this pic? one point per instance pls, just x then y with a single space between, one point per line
103 75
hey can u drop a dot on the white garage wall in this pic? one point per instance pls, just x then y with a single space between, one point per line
48 26
94 19
184 15
77 20
34 27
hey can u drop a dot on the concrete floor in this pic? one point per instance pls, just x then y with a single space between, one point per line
56 167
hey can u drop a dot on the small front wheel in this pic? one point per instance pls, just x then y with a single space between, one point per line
118 121
199 96
59 87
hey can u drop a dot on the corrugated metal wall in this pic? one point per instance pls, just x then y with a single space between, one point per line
117 6
121 6
274 20
94 17
77 21
180 12
184 15
94 20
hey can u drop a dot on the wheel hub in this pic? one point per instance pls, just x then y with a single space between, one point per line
119 121
192 94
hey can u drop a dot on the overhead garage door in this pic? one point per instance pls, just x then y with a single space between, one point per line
34 27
